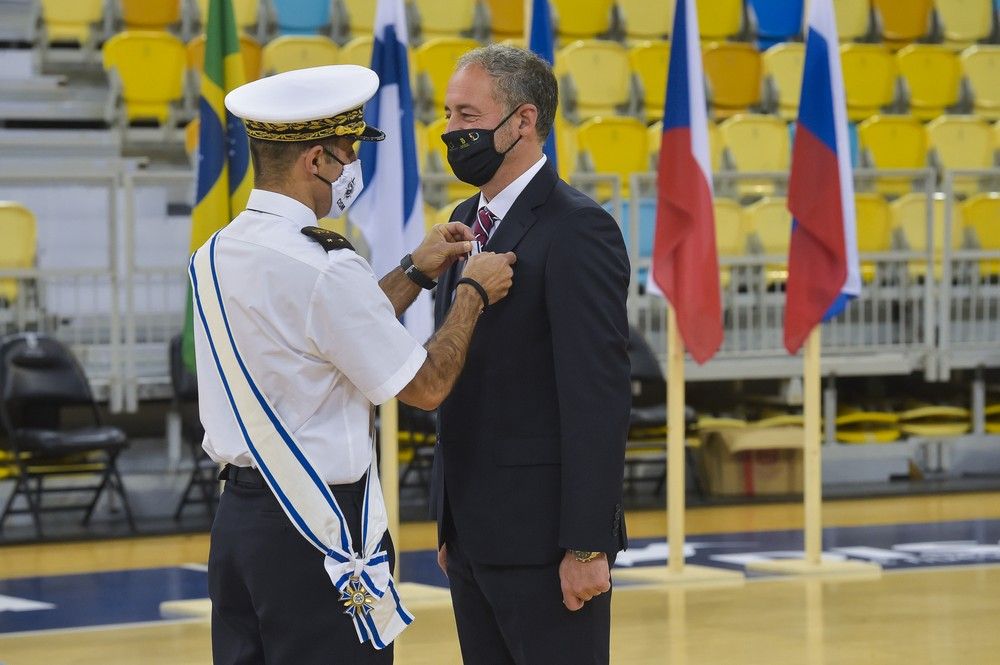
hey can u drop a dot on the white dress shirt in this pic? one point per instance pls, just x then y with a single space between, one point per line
501 204
318 335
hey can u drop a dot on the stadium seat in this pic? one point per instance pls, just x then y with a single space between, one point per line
567 150
643 19
853 19
934 420
719 19
857 426
770 223
19 248
249 49
71 20
981 214
445 18
965 22
581 19
733 72
903 21
776 20
358 51
992 413
506 19
433 63
295 17
909 222
730 234
981 67
290 52
756 143
360 17
150 66
594 78
642 251
614 145
783 76
437 154
246 13
150 14
715 146
874 229
649 63
894 142
933 77
961 142
869 79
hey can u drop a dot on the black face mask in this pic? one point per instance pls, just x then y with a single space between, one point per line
472 155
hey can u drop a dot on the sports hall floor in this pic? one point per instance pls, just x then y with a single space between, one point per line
937 601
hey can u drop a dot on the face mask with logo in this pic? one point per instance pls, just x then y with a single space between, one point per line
346 189
473 156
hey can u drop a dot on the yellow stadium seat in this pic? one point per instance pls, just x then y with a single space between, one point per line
856 426
506 19
646 20
246 13
981 67
992 414
933 76
733 71
358 51
290 52
981 214
965 22
783 68
730 234
715 145
595 75
581 19
616 145
150 66
894 142
567 150
437 154
853 18
962 142
903 21
19 248
874 229
433 63
249 49
931 420
869 79
719 19
360 17
771 224
445 18
71 20
909 222
649 63
756 143
150 14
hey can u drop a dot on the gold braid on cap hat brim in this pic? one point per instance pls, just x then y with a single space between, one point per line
349 123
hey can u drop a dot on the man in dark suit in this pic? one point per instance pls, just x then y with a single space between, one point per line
529 464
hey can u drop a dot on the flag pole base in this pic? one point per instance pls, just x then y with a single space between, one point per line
830 569
688 576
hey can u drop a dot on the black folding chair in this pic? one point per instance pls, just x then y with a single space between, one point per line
40 383
203 484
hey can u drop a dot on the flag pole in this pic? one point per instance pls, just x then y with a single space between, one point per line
675 445
812 455
389 464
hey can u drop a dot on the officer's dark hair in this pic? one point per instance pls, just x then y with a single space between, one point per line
271 159
519 77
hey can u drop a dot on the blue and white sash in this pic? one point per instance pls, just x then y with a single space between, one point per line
368 592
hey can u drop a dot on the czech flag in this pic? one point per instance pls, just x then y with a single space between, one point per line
823 270
685 260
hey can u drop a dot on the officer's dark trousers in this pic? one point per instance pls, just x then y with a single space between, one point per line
272 600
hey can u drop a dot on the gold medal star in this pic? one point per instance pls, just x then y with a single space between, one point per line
357 601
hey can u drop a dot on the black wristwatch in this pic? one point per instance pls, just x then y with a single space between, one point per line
417 277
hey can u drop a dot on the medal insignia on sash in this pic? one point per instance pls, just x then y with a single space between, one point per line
357 601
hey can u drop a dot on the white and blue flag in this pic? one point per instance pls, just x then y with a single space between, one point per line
390 210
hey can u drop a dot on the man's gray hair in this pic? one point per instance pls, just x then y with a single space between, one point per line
519 77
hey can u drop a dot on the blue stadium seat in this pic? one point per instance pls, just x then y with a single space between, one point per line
647 229
302 17
777 20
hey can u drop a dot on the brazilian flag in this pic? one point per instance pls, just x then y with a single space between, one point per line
224 173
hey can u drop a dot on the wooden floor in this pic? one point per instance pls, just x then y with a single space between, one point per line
936 616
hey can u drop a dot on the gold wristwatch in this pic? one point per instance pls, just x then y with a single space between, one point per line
583 556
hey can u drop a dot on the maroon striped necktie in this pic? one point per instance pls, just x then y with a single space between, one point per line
484 224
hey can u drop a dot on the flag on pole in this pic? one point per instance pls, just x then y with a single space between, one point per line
390 210
540 40
823 271
685 260
224 175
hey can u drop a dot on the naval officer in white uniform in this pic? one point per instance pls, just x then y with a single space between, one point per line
296 340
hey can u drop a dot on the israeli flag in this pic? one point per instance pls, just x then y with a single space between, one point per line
390 211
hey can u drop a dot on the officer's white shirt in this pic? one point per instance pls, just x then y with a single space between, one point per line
317 334
501 204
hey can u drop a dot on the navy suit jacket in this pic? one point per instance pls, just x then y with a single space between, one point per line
531 446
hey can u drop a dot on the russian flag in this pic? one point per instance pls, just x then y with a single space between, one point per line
390 210
685 262
823 270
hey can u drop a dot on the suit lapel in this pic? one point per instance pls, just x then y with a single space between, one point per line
447 282
521 215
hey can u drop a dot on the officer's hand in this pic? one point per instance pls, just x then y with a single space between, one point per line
582 581
493 272
444 244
